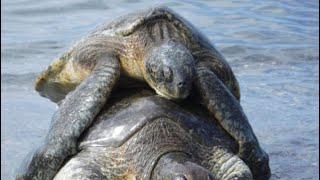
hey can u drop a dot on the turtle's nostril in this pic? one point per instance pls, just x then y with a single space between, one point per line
182 84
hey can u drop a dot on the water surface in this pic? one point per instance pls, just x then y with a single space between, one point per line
272 47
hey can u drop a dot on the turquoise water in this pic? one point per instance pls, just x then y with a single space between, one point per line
272 47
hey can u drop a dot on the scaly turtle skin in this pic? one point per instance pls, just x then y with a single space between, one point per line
139 135
156 47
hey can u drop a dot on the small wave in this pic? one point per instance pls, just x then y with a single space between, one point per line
18 79
45 8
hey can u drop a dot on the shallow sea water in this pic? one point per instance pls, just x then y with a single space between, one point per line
272 47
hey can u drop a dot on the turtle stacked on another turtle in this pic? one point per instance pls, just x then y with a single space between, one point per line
155 48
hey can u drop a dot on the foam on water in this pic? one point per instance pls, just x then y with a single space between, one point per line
272 47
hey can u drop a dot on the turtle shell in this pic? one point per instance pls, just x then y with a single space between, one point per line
129 23
133 26
120 120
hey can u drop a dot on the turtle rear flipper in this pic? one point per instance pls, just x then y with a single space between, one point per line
74 115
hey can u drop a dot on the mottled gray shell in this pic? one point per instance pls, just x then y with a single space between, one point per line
128 24
120 121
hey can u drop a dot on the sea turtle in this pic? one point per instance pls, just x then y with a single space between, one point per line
154 47
139 135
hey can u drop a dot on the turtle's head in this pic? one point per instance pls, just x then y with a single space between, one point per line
169 69
54 82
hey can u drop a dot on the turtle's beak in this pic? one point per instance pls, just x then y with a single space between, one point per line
48 89
47 84
40 82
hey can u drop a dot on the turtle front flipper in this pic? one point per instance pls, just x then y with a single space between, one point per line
74 115
227 110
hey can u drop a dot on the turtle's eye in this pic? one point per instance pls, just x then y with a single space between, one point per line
167 73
